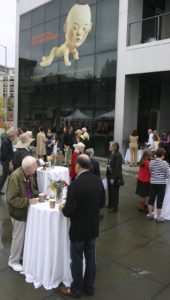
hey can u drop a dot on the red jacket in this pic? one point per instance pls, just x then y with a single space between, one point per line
72 169
144 173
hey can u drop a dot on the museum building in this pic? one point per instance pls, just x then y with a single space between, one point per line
116 79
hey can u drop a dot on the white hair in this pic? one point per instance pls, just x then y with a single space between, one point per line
89 152
84 129
80 145
28 161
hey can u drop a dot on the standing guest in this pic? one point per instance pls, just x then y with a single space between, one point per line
150 136
41 143
160 172
21 192
55 152
85 137
49 133
94 168
19 131
155 143
143 180
62 143
17 135
157 133
165 143
163 136
84 133
133 146
78 138
94 164
49 145
85 197
79 149
68 143
22 149
113 174
6 158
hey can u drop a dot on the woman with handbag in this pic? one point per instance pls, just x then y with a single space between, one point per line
114 176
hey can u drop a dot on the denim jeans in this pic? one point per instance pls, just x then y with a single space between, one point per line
80 283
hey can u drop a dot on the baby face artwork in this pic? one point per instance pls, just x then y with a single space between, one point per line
77 27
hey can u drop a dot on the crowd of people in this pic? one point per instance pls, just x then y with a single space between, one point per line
155 140
20 162
153 174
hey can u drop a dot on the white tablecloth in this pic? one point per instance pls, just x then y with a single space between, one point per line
127 156
46 259
56 173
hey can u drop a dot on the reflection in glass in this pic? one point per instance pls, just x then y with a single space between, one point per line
106 64
65 72
107 25
52 10
85 67
65 6
38 16
37 42
25 21
25 44
51 35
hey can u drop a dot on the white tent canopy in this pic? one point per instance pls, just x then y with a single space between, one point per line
77 114
108 115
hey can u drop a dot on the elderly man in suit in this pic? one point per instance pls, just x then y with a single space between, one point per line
84 199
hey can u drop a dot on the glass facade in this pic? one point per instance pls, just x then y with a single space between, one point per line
49 95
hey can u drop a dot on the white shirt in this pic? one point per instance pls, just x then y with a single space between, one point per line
150 140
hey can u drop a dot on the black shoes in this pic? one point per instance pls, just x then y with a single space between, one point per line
2 194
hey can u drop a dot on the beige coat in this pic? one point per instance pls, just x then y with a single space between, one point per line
41 144
133 142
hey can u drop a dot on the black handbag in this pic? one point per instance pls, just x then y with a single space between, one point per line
120 181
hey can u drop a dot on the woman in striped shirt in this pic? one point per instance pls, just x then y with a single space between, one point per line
160 172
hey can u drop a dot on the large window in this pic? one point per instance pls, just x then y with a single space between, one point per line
48 95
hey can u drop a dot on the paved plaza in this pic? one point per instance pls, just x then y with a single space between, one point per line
133 256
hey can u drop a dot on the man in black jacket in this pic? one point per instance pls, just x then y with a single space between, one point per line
84 199
95 169
6 158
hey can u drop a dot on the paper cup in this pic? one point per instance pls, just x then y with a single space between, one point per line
52 203
41 197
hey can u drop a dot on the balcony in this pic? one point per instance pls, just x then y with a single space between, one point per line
149 29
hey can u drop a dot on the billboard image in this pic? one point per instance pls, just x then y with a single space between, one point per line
77 27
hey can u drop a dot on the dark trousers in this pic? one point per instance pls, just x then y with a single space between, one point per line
157 190
5 173
77 249
113 193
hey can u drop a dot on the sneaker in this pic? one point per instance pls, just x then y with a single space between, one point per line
150 217
160 220
15 267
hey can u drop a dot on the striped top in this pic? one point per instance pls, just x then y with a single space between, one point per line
160 171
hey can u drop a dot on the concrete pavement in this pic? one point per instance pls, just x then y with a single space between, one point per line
133 255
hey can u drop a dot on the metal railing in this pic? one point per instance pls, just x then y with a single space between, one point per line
149 29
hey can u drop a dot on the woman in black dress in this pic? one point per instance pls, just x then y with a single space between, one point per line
114 176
